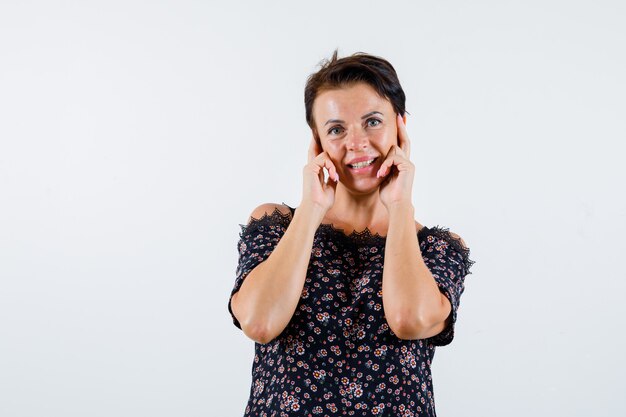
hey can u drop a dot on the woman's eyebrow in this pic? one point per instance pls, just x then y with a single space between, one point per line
362 117
371 113
333 121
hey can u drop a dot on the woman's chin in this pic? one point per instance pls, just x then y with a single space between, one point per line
363 185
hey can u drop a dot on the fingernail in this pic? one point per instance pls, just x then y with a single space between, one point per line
336 177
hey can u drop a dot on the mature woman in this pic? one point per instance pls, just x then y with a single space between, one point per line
347 296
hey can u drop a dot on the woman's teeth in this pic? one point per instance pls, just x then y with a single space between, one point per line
363 164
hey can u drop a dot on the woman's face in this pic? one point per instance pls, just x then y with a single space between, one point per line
355 123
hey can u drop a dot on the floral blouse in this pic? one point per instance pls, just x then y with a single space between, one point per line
338 356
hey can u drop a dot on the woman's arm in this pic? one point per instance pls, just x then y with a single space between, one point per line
269 295
414 306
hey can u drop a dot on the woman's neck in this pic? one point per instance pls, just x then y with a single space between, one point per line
357 211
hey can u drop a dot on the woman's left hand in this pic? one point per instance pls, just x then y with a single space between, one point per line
397 170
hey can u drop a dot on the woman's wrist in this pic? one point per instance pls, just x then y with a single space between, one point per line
400 207
312 211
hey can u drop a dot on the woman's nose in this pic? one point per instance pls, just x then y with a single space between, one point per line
357 139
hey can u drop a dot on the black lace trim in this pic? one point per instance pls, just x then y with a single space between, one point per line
444 233
274 217
364 237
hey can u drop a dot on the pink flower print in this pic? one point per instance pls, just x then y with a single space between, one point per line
334 272
323 317
442 246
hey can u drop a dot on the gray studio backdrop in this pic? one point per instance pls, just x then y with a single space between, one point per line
136 136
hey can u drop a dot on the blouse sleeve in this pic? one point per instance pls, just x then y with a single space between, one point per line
448 260
257 241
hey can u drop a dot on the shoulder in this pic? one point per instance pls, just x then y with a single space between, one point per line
443 234
461 241
442 240
269 209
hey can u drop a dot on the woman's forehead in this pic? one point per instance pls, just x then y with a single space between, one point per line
354 100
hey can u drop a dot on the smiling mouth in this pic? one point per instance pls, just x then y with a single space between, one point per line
362 164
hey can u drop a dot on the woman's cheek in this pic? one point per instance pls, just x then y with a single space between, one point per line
387 139
393 137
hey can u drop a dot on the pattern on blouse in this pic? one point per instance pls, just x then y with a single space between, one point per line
337 356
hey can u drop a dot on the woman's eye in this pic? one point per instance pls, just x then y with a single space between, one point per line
373 122
334 131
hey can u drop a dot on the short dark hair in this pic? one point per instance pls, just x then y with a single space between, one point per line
358 67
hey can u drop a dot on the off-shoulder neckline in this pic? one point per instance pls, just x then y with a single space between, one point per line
366 237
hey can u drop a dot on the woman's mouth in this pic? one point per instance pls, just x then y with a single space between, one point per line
362 166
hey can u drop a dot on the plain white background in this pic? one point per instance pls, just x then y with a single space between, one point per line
135 137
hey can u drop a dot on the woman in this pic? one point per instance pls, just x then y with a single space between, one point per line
347 296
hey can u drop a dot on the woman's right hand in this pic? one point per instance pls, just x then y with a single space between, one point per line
315 190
